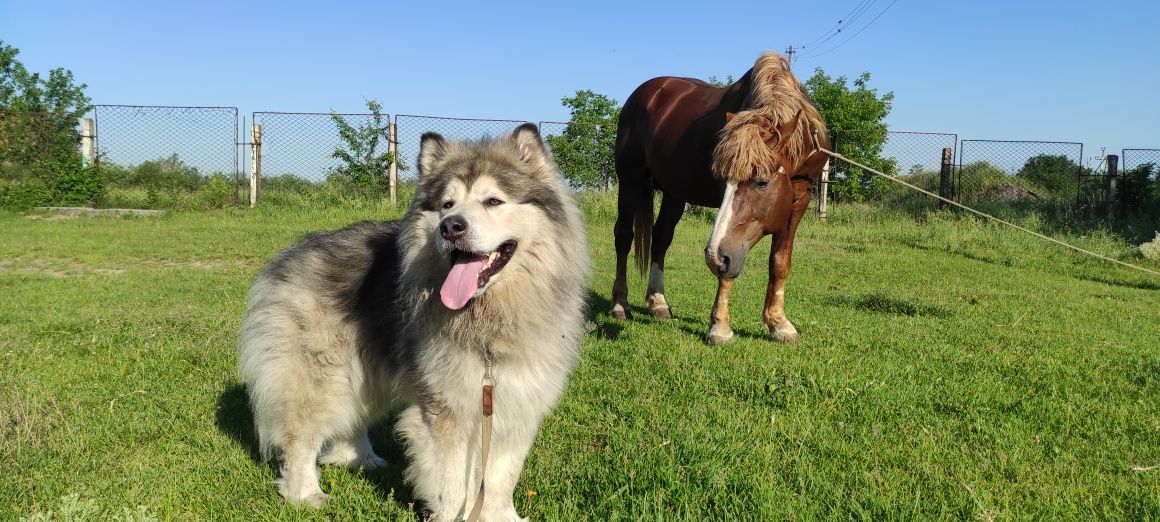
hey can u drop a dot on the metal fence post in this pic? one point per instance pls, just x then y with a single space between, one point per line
1113 168
255 162
393 170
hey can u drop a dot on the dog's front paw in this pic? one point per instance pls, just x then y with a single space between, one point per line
315 499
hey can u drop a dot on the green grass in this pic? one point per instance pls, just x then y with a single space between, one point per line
948 370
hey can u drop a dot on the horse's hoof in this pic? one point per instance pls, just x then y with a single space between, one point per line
658 306
718 336
784 332
661 312
621 312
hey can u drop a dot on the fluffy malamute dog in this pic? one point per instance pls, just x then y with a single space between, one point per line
490 262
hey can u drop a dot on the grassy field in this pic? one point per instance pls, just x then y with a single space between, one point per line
948 370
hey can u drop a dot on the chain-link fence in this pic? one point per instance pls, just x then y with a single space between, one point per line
411 128
164 156
1138 186
1006 171
300 149
300 146
1131 159
202 138
915 155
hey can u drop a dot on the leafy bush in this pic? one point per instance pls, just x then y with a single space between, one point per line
24 194
39 139
1056 176
366 163
216 191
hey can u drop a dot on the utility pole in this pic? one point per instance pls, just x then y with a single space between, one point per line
789 52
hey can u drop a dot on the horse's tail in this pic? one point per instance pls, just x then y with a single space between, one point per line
642 229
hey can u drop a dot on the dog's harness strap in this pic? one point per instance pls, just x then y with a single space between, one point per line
485 433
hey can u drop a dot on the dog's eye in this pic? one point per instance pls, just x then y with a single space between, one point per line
494 202
448 204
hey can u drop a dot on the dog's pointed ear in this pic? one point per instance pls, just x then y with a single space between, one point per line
432 147
531 146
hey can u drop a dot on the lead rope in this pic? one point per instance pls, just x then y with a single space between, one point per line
485 433
985 215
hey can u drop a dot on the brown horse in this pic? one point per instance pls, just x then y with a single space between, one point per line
750 148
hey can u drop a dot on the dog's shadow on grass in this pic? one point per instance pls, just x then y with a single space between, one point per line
600 321
236 420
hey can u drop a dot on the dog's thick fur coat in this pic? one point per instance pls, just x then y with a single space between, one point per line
492 258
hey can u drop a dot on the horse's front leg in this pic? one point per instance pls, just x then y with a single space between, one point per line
780 260
775 320
719 330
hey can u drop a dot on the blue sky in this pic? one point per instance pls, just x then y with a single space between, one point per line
1066 70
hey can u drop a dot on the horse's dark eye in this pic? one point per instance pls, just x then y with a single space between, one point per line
761 184
494 202
448 204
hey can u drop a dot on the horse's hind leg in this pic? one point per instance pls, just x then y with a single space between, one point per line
628 198
662 234
780 260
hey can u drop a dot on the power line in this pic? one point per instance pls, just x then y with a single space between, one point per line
859 9
871 22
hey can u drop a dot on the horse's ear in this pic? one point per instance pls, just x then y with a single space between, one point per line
531 147
787 127
432 147
729 117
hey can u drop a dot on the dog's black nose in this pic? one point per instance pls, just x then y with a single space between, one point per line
453 227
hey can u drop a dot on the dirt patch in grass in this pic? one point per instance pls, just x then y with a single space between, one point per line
54 267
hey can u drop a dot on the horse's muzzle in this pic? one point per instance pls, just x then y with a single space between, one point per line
726 264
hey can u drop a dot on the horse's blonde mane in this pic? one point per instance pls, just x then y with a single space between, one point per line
775 95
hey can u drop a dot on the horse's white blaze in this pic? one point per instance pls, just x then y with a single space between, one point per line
721 226
656 279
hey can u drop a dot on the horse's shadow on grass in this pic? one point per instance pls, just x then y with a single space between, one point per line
1139 285
236 420
602 325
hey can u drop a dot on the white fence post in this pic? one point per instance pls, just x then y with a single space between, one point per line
393 170
88 152
255 162
824 192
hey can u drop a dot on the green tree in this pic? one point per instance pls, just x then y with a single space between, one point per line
38 135
364 152
584 151
1057 175
855 120
716 82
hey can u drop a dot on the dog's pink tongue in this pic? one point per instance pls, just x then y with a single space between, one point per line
462 281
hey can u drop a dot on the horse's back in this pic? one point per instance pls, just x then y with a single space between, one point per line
668 127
